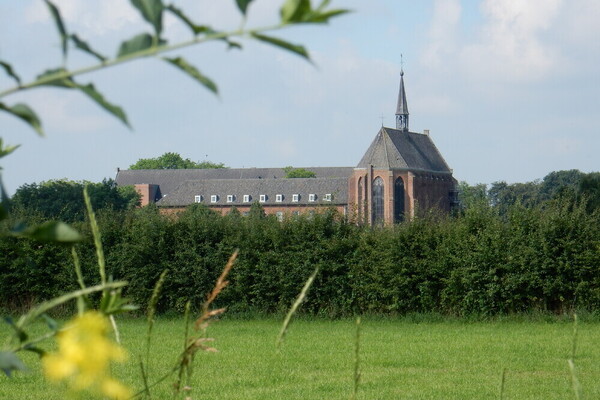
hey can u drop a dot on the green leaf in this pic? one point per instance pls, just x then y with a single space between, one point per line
294 10
243 5
322 18
21 334
51 231
81 45
25 113
60 81
151 11
10 362
88 89
323 4
117 111
59 25
140 42
197 29
300 11
232 44
50 322
294 48
8 69
34 349
4 151
192 71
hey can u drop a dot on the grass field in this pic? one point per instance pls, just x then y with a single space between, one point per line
399 360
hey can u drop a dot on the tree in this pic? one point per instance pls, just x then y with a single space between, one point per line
470 196
173 161
502 195
62 199
291 172
557 182
589 189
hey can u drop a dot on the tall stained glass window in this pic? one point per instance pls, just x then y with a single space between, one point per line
377 202
399 200
361 200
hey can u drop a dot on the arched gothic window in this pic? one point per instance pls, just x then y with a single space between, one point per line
399 200
361 200
377 207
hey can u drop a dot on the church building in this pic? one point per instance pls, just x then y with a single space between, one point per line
400 174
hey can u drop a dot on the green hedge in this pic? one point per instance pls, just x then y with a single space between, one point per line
545 258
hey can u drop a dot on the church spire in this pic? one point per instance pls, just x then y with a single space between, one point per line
402 108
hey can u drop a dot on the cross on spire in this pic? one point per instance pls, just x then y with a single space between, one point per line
401 65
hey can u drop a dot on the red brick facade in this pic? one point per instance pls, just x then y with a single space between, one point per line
422 191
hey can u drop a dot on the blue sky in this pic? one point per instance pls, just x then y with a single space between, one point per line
509 89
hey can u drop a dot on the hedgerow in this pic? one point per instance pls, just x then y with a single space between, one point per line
543 258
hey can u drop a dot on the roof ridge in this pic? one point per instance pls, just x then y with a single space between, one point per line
385 147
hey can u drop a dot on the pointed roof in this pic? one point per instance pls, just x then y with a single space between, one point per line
397 149
402 107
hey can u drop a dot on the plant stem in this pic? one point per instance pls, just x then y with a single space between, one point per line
151 51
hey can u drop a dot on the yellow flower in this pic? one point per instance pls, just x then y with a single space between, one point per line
84 356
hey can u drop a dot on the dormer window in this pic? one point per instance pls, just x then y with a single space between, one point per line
214 198
295 198
230 198
312 197
262 198
278 198
247 198
198 198
328 197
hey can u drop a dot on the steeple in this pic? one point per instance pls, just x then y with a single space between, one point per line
402 108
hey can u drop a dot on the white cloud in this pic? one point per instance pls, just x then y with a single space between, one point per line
511 44
510 41
87 17
286 148
69 113
442 33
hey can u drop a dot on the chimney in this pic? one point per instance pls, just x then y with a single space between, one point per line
426 132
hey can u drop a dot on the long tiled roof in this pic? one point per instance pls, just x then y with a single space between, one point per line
397 149
186 193
170 179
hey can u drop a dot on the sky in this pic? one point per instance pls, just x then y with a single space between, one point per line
509 89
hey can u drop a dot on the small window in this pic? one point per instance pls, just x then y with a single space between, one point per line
296 213
230 198
198 198
312 197
246 213
328 197
214 198
247 198
279 215
262 198
295 198
278 198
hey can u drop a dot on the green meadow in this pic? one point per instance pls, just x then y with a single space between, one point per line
399 359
